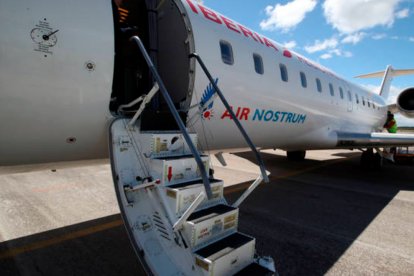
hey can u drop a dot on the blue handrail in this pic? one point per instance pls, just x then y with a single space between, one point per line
176 116
236 121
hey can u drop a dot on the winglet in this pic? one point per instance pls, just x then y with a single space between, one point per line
387 76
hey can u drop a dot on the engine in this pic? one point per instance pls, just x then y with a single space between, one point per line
405 102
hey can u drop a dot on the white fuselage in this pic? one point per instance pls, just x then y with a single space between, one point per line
54 99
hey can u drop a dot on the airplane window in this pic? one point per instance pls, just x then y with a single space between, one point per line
341 92
303 80
226 52
349 96
258 64
284 72
319 85
369 103
357 98
331 89
374 106
363 100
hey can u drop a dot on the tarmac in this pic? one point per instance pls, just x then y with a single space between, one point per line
325 215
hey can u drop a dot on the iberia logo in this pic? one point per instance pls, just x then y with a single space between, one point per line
207 112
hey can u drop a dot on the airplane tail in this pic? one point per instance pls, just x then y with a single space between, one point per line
387 76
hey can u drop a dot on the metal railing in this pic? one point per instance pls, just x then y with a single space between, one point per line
176 115
233 116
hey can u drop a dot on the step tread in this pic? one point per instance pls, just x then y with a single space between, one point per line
232 242
254 269
192 182
177 157
204 214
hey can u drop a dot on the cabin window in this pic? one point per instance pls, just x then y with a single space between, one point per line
226 52
357 98
331 89
319 85
258 64
349 96
374 106
363 101
341 92
369 103
303 80
283 72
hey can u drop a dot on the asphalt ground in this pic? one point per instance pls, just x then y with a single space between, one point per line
325 215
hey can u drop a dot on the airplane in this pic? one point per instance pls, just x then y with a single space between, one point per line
76 84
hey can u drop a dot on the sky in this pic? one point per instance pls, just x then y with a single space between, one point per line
350 37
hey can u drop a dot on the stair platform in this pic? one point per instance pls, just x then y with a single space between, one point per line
175 170
226 256
180 196
211 223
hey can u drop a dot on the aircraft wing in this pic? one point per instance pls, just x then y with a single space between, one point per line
376 139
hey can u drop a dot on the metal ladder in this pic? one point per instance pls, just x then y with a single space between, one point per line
175 213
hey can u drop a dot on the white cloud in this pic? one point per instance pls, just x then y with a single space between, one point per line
402 13
318 46
326 56
336 52
394 92
411 39
290 44
354 38
350 16
379 36
286 17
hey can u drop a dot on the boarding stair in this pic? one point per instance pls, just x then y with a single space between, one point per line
173 208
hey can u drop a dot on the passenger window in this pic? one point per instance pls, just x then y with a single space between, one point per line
258 64
357 98
374 106
349 96
303 80
284 72
369 103
331 89
363 101
341 93
319 85
226 52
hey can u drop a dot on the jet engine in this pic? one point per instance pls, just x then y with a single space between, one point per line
405 102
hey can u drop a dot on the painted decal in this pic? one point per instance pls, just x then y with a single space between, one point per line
207 112
212 16
170 174
266 115
231 25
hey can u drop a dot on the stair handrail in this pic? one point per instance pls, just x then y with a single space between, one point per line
233 116
176 115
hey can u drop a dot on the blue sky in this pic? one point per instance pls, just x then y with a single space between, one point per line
351 37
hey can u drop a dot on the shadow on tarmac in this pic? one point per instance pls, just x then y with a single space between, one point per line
308 219
96 251
305 218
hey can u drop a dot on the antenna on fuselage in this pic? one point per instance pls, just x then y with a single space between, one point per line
387 77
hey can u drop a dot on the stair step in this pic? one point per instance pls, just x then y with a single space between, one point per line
180 196
209 224
176 170
255 269
226 256
169 144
